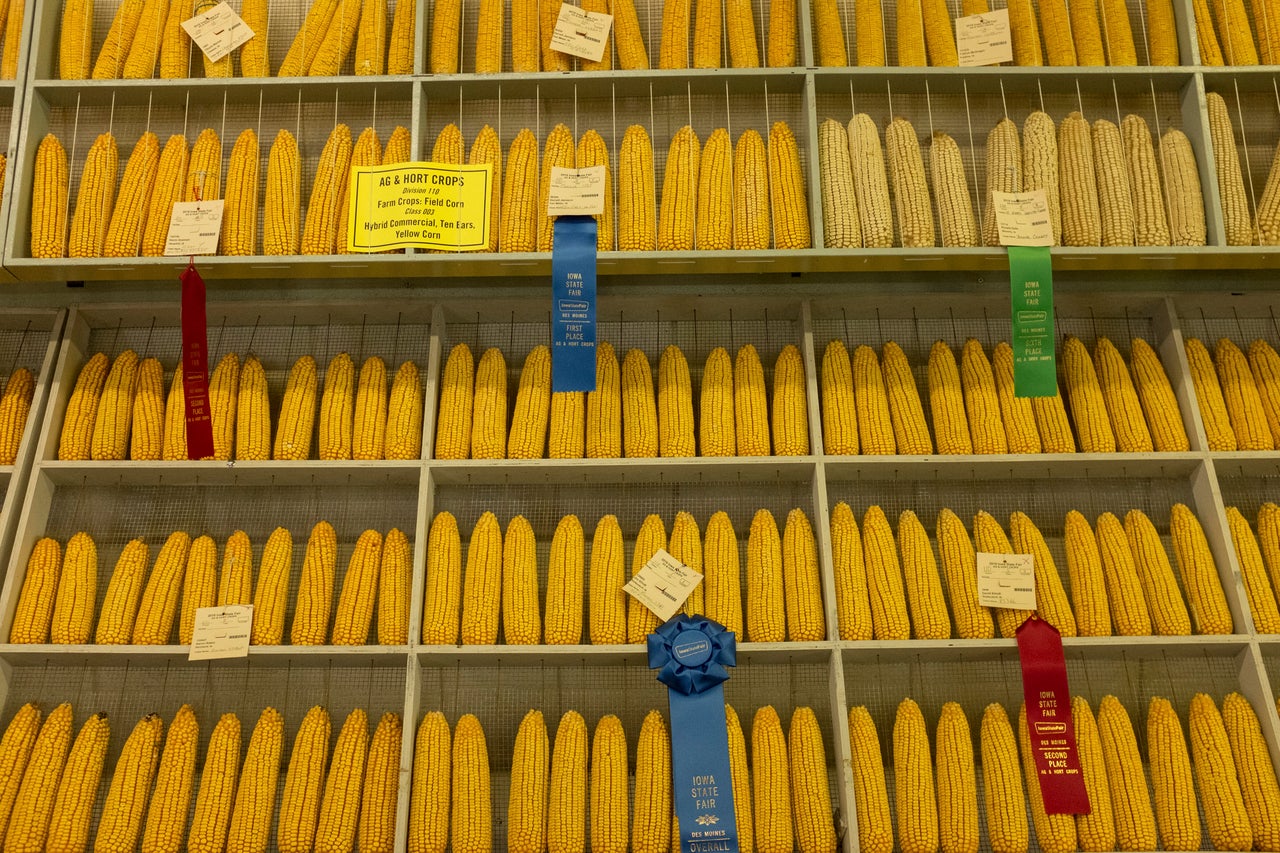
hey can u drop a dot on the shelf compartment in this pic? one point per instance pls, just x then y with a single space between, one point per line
283 23
127 691
1047 501
544 505
662 107
261 329
629 692
1137 22
27 339
969 107
115 514
77 115
915 326
695 325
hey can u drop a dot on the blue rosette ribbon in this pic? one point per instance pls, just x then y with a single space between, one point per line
691 654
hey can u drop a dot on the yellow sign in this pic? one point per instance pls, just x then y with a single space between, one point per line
419 205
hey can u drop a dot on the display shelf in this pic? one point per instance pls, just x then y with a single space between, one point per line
635 655
393 332
115 514
19 654
27 339
126 691
596 690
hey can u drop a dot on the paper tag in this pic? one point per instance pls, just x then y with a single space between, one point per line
1049 725
221 632
194 228
1023 218
218 31
576 192
984 39
420 205
663 584
1007 580
580 33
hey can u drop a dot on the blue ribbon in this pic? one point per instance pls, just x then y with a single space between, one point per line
691 654
573 314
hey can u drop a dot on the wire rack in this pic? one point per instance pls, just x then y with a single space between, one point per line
848 22
594 691
128 693
77 122
969 109
22 345
1240 324
1247 494
1256 137
114 515
978 680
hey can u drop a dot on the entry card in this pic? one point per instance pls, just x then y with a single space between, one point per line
984 39
218 31
663 584
221 632
580 33
194 228
1007 580
576 192
1023 218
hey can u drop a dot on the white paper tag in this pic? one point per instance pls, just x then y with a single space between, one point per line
194 228
580 33
663 584
221 632
984 39
1007 580
576 192
1023 218
218 31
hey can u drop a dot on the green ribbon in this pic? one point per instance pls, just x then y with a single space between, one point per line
1035 372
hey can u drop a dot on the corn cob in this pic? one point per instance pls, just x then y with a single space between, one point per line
394 577
1025 32
604 407
454 428
34 611
686 547
708 29
354 612
429 795
1040 165
111 420
1051 599
154 623
1268 207
652 537
443 595
810 796
946 401
841 226
910 189
446 32
240 220
175 44
1095 831
1220 794
651 821
369 419
1121 398
1199 574
1169 614
1243 401
1159 404
1150 226
1088 404
1237 224
400 51
199 585
591 152
788 207
780 49
959 570
869 33
255 798
951 192
254 59
1177 816
520 619
1182 182
166 824
126 803
607 605
639 407
632 55
723 595
1209 397
77 591
315 587
253 410
15 406
875 428
853 606
1115 197
559 151
297 412
115 49
770 808
49 200
916 806
989 538
751 193
331 53
805 619
29 819
1125 593
120 604
554 60
300 802
340 805
1264 363
609 815
482 590
519 228
929 618
839 410
1088 586
564 583
910 34
235 583
367 151
336 408
911 432
957 783
280 233
124 233
320 228
528 437
270 595
884 578
223 401
75 40
217 788
1003 798
94 199
751 423
78 787
981 404
765 619
1017 413
1003 161
166 190
377 829
175 418
1262 599
875 827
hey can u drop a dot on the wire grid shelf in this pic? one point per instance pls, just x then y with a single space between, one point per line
976 682
545 506
77 125
22 345
1228 321
649 13
277 345
1247 493
1046 506
848 22
696 338
114 515
500 697
970 115
284 23
127 693
1255 138
610 113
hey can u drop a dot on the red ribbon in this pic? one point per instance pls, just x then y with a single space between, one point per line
1053 735
195 365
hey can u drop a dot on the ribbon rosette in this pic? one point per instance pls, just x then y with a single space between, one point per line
691 654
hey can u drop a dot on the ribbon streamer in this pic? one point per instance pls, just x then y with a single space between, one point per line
195 365
1049 723
573 309
691 655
